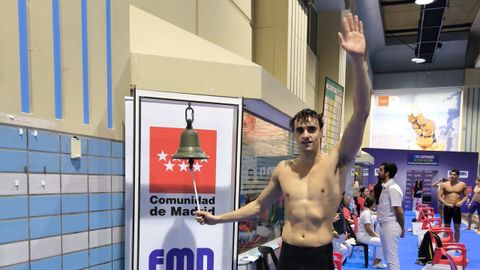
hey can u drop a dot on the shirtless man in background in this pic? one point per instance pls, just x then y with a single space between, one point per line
474 204
453 194
313 183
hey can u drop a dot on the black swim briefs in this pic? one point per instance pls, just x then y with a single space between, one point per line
306 258
452 212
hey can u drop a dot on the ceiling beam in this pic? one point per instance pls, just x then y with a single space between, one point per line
457 27
429 29
395 3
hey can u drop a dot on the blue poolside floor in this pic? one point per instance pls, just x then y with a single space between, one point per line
408 250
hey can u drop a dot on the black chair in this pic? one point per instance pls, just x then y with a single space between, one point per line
265 251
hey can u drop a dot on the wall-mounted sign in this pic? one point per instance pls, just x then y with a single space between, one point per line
332 114
421 159
463 174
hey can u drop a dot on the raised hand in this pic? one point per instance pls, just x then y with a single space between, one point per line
354 40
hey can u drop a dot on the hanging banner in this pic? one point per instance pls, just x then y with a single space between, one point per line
416 120
165 234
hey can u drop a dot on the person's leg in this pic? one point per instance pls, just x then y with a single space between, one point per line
340 247
345 251
440 210
349 251
469 220
376 242
457 221
478 216
471 210
456 233
390 233
447 216
417 201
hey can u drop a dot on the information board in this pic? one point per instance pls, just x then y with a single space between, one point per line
332 114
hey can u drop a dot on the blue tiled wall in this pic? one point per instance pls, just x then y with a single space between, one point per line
13 230
13 207
47 219
52 263
74 203
75 260
13 160
74 223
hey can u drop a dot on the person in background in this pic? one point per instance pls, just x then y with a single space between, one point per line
364 193
390 214
346 210
453 195
340 234
417 193
366 232
474 204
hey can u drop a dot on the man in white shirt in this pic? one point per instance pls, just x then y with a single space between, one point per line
390 214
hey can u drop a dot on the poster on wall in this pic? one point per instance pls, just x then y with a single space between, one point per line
165 234
426 177
429 166
332 114
420 120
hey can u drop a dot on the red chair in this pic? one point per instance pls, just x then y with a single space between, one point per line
448 234
431 223
337 260
442 248
425 212
420 206
435 225
453 266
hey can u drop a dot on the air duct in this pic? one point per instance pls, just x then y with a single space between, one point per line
429 29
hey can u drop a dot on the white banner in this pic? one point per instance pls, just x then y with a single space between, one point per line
165 233
416 120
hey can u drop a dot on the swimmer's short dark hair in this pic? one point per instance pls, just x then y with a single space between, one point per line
303 115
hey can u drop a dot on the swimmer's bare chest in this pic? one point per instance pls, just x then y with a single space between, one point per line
311 200
453 193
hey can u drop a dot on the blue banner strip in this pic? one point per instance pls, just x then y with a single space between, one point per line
109 62
23 49
57 60
86 105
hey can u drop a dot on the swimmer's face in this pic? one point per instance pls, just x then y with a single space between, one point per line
308 134
453 175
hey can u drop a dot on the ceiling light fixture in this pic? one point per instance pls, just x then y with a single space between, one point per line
424 2
418 60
